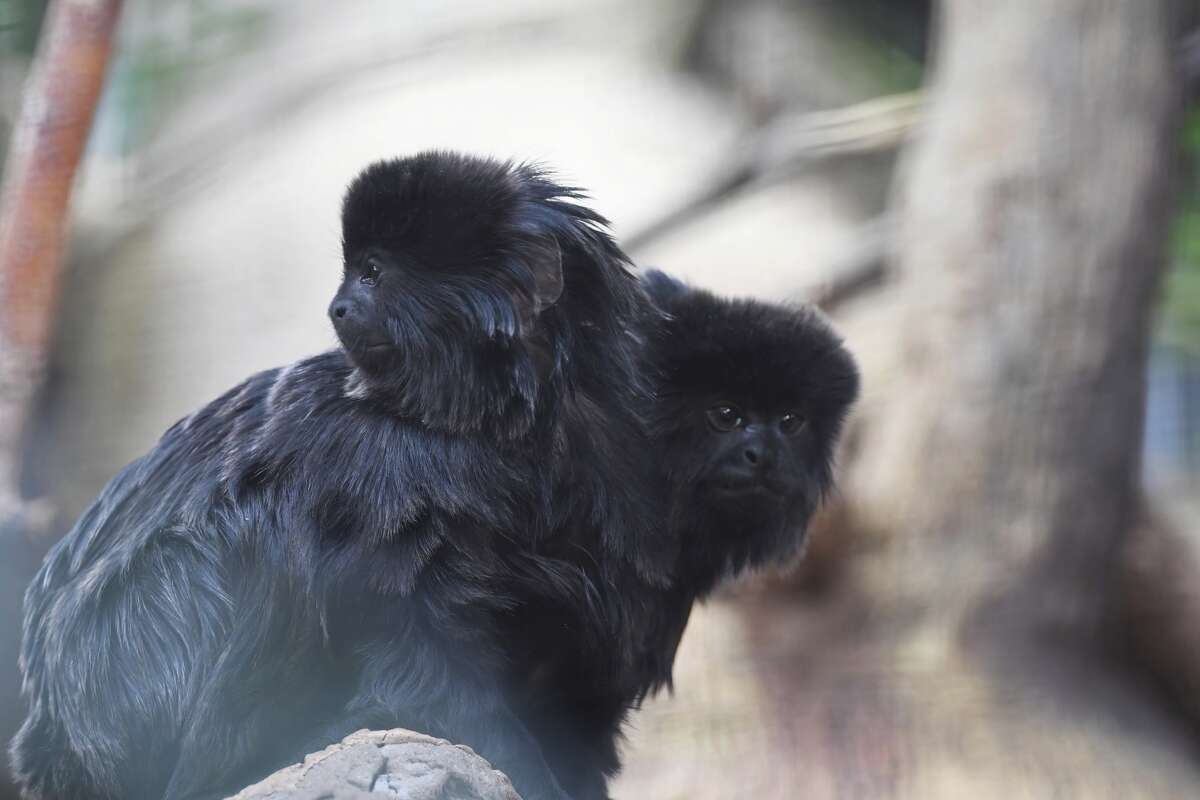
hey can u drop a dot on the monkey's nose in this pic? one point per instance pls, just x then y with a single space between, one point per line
339 310
759 454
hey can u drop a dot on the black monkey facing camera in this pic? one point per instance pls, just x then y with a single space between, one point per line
751 402
344 542
751 398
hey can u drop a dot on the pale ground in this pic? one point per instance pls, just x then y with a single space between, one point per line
706 740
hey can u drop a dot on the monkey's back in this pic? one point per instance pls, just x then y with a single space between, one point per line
138 618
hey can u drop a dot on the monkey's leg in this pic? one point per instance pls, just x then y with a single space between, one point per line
45 764
422 688
580 749
263 692
582 770
500 737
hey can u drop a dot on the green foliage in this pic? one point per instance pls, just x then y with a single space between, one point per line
20 21
893 69
187 41
876 55
1181 294
170 47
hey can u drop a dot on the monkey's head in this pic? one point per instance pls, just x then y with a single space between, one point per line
752 398
451 265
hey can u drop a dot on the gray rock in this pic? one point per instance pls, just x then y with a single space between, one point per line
395 763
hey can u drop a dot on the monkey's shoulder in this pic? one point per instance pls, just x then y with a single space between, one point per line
289 455
306 429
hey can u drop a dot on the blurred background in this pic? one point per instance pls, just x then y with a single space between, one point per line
996 203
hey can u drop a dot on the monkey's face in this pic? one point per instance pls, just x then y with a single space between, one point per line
747 470
754 456
751 402
442 290
747 473
392 312
359 312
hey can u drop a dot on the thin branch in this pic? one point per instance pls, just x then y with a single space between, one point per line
788 144
861 269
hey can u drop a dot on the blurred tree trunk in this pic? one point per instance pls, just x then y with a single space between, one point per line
57 106
967 649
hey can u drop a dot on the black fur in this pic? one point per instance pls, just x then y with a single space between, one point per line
743 498
368 538
454 524
722 515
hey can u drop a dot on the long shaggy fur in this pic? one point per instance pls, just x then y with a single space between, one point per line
763 358
486 516
700 350
349 542
767 360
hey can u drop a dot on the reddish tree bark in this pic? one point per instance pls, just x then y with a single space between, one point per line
48 142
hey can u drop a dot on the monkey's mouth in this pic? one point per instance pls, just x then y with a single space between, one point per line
733 487
373 347
373 356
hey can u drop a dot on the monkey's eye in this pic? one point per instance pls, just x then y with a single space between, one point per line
370 274
724 417
792 423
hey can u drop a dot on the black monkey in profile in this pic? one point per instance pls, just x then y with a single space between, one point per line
344 542
751 399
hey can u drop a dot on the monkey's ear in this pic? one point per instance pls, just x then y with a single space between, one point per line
662 288
546 264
